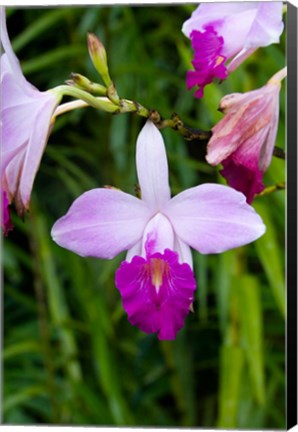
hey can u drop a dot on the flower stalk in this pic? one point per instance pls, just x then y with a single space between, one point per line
84 99
270 189
279 153
109 101
279 76
112 94
175 123
128 106
102 103
82 88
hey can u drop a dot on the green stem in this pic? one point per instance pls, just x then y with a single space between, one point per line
125 106
69 106
135 107
279 153
271 189
102 103
175 123
83 83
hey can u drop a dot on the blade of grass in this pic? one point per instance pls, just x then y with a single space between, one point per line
267 248
57 303
39 26
252 332
98 319
231 369
52 57
223 279
13 400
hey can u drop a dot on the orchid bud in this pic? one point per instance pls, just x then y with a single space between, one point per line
85 84
98 56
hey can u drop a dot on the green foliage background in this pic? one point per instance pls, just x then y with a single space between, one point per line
69 354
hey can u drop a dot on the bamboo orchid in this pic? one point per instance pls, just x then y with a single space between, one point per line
156 280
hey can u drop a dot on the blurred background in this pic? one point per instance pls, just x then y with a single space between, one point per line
69 354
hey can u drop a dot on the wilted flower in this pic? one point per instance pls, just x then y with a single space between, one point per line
156 281
243 141
25 125
220 32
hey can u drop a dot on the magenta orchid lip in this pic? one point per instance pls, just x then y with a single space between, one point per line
208 60
157 292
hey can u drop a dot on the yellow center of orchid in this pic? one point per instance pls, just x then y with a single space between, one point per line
158 268
219 60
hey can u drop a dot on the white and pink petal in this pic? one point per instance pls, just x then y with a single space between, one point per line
267 25
213 218
158 235
102 223
152 167
13 61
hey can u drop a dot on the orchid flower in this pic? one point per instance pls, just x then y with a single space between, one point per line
243 141
25 125
231 31
156 280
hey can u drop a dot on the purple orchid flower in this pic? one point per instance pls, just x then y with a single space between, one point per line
156 280
243 141
231 31
26 123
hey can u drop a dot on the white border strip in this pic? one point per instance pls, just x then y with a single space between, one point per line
70 3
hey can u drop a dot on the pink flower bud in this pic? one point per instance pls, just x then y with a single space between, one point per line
98 56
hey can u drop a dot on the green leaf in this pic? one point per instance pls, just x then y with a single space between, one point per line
231 367
201 270
251 333
267 248
51 58
21 397
58 306
23 347
223 280
38 27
